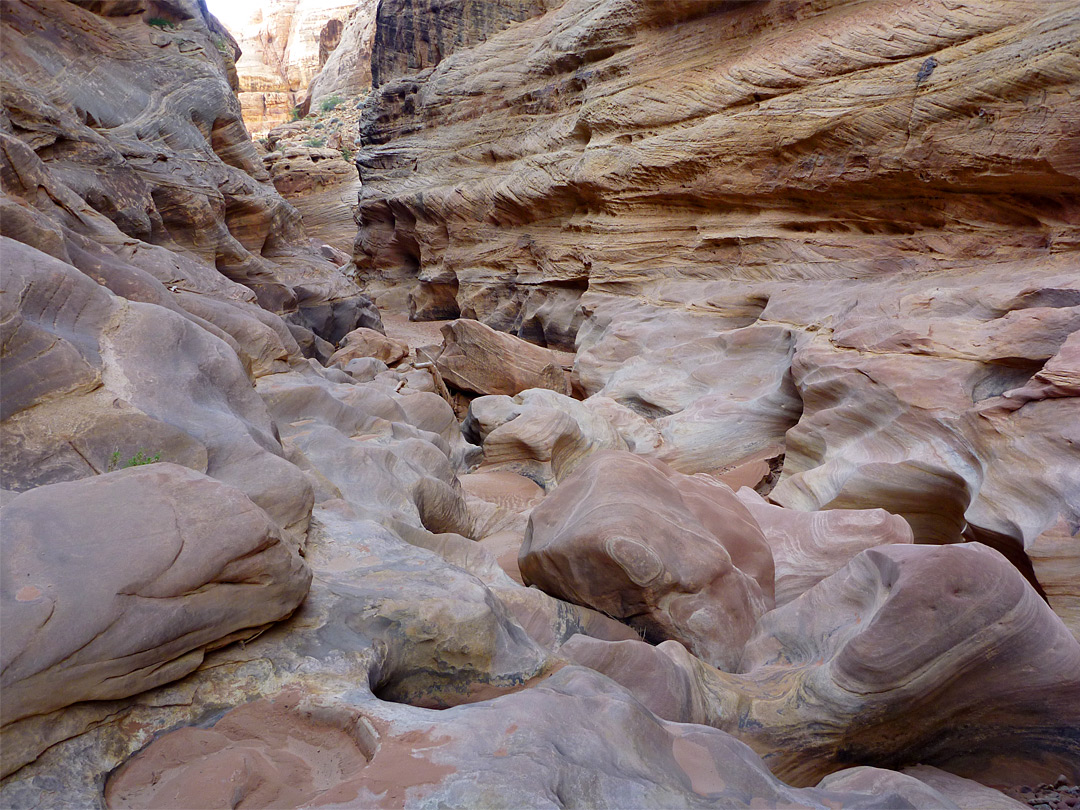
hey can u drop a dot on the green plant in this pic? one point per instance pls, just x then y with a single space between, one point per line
295 114
160 22
223 47
347 154
140 459
315 142
331 103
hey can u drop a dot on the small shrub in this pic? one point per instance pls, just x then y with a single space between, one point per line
161 22
318 143
295 114
318 126
140 459
331 103
347 154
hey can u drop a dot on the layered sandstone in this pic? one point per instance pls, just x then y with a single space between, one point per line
411 35
204 441
832 245
139 146
301 52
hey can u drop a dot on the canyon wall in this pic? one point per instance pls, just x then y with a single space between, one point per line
257 551
411 35
138 144
835 238
300 52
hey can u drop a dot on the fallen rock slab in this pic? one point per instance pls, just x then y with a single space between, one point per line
477 358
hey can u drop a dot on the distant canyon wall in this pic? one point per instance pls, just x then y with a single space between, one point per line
300 52
411 35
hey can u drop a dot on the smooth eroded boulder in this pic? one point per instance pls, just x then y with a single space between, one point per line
909 653
676 556
809 546
115 584
365 342
539 433
942 655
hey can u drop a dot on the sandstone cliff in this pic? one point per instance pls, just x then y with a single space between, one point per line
870 209
414 34
258 552
300 52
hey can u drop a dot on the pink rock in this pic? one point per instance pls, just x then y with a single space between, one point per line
809 546
676 556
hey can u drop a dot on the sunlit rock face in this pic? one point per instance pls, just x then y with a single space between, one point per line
300 52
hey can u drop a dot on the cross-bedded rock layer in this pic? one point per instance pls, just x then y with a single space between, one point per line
832 244
259 475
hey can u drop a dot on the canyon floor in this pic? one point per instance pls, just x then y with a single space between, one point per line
625 404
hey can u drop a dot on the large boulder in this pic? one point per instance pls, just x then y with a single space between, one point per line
476 358
116 584
938 789
676 556
909 653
